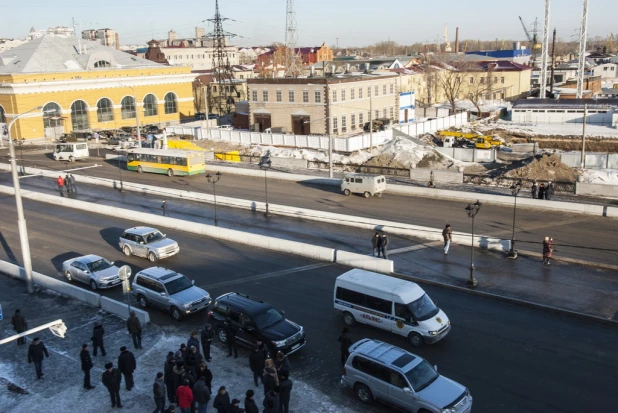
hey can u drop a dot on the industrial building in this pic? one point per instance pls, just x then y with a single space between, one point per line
601 112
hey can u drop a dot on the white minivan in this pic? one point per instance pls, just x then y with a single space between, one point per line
391 304
366 184
71 151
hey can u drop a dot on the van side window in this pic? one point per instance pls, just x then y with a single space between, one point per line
158 287
373 369
379 304
358 180
397 380
347 179
402 311
350 296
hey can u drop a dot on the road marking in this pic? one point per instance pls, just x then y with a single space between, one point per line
416 247
267 275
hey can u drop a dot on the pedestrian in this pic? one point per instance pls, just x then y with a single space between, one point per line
36 353
535 190
431 183
135 329
179 372
384 246
184 353
158 392
204 373
164 209
184 394
19 325
346 342
96 137
282 364
111 380
67 183
206 337
235 407
447 234
256 364
194 359
250 406
193 341
274 396
549 190
201 393
269 379
541 194
270 407
97 339
222 400
127 365
190 376
548 250
230 332
285 390
168 376
263 348
84 356
375 240
72 183
60 183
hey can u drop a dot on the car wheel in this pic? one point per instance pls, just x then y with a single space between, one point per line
363 393
176 314
93 285
126 250
348 319
152 257
367 195
221 333
170 172
68 276
416 339
346 192
142 301
139 169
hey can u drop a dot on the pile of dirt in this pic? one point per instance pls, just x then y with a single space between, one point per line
542 167
386 160
220 146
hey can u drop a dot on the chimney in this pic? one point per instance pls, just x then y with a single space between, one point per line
457 40
312 72
117 41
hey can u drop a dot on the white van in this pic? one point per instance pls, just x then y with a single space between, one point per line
368 185
71 151
391 304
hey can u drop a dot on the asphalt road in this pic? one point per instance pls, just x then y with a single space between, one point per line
577 236
512 358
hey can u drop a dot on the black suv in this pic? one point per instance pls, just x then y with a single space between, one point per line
256 320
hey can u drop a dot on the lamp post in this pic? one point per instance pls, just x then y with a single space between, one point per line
472 210
265 164
213 180
21 220
515 188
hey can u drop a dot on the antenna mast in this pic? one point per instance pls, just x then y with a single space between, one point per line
292 59
581 64
221 64
543 91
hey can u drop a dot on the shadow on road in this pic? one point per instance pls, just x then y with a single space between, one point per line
315 184
111 236
59 259
7 249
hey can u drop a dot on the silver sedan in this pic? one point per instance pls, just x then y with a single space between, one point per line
92 270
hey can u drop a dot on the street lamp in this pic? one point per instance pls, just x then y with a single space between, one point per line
265 164
472 210
515 188
21 221
213 180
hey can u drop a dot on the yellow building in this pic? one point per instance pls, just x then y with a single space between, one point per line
83 85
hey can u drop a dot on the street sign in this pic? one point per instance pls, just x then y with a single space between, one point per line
124 272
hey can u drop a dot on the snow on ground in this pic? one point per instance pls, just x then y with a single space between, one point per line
567 129
601 176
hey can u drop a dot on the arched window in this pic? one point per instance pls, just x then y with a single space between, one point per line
2 115
127 107
52 115
79 115
105 110
102 63
170 103
150 105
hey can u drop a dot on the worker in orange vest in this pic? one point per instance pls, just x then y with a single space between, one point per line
60 182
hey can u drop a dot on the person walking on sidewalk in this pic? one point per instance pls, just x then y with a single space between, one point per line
206 337
250 405
36 353
60 183
168 376
285 390
158 392
548 250
447 234
534 191
97 339
256 364
67 183
201 394
193 341
549 190
72 182
375 240
84 356
135 329
541 191
164 209
230 333
127 365
19 325
345 343
111 380
384 246
222 400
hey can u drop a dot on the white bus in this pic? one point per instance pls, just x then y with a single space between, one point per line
71 151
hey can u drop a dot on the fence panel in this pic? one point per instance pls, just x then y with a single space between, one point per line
612 161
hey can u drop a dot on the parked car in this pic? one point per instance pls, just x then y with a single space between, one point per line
148 243
92 270
169 291
380 371
256 320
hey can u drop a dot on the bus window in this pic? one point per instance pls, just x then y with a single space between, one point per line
131 157
167 160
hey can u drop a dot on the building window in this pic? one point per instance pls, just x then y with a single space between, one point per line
79 115
105 110
171 105
318 96
291 96
343 123
254 95
352 94
384 113
369 91
334 95
384 90
102 63
342 95
392 113
360 92
214 88
352 120
471 80
495 80
377 114
127 107
335 124
52 115
377 90
501 80
279 97
265 95
305 96
360 119
2 116
150 105
392 88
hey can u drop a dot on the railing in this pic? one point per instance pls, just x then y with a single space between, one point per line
526 184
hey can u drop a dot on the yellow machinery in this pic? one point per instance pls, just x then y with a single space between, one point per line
480 141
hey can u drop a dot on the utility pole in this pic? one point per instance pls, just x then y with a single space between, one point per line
543 91
553 63
583 163
330 137
581 63
370 121
221 64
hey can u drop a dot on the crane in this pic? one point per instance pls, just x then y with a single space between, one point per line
533 39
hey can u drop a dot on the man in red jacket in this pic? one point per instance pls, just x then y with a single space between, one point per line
60 182
184 394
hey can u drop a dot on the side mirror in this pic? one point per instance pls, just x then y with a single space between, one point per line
163 294
407 390
435 368
141 242
283 313
112 263
193 282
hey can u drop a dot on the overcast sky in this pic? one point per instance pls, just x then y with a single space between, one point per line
348 22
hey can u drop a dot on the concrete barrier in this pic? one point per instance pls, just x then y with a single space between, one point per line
289 162
583 188
611 212
121 310
364 262
439 176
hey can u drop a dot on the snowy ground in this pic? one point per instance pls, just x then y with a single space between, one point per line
567 129
601 176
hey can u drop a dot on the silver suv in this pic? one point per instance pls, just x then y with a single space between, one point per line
148 243
170 291
380 371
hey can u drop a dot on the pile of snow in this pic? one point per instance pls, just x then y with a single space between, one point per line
405 151
600 176
566 129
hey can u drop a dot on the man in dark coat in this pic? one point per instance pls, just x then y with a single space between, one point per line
36 353
384 246
135 329
158 392
194 359
273 396
549 190
256 364
374 242
201 395
269 380
19 325
84 356
127 365
207 336
235 407
168 376
193 341
346 342
97 338
250 406
111 380
222 400
285 390
230 332
178 373
203 372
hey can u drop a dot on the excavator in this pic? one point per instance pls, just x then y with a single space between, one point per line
480 141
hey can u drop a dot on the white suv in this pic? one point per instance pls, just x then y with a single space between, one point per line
148 243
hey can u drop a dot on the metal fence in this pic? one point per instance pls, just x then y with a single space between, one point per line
526 184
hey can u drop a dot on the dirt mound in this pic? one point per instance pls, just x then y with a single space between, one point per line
542 167
219 146
386 160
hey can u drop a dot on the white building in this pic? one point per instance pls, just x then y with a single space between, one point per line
198 58
8 44
603 112
59 31
606 70
107 37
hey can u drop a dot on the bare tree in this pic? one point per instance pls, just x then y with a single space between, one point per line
480 87
450 81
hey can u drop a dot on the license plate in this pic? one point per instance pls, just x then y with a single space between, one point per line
295 346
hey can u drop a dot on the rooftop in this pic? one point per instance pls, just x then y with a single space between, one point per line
566 103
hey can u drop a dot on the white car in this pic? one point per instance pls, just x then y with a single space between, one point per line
92 270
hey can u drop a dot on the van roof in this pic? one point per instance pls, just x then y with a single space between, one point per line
363 175
406 290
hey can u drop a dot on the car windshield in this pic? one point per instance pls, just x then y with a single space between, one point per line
423 308
421 376
178 285
268 318
153 237
99 265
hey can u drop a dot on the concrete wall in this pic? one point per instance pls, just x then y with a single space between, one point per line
525 147
591 160
364 262
439 176
121 310
610 191
469 154
289 163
